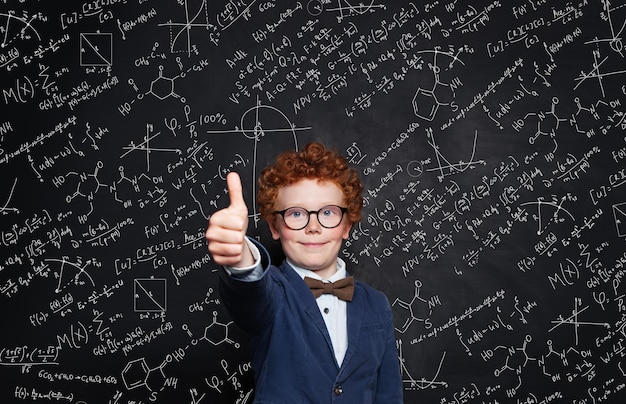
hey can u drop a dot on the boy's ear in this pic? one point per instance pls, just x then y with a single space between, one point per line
273 229
346 231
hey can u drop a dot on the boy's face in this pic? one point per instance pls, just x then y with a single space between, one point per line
314 247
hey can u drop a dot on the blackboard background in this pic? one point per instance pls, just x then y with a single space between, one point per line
490 137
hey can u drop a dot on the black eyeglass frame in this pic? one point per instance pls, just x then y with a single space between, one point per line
308 217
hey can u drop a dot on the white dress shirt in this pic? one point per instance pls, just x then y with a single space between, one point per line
333 309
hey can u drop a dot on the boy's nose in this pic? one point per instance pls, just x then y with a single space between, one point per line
314 224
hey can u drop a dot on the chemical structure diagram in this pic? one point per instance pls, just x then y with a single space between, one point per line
161 88
592 110
133 183
599 115
138 374
87 186
215 333
427 101
417 309
548 123
513 358
555 360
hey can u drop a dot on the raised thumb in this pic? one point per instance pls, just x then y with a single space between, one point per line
233 182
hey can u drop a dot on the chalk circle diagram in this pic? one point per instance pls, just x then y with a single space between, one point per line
315 7
266 123
415 168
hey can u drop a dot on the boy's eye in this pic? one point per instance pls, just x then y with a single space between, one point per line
296 213
331 211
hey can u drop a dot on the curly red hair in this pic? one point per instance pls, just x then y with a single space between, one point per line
312 162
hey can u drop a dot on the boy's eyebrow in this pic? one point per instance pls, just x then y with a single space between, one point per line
321 205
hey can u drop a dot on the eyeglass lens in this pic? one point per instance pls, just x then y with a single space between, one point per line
298 218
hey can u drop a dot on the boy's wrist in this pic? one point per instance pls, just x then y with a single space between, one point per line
251 258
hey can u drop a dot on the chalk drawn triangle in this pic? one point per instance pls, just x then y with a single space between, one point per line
96 49
619 213
150 295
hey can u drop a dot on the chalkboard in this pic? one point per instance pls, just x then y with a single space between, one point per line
489 135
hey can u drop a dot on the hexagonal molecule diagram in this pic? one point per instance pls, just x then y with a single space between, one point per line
135 373
417 309
163 87
427 100
425 104
138 374
217 333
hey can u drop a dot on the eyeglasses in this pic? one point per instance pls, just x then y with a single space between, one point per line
297 218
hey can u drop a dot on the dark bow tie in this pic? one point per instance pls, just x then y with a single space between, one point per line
343 288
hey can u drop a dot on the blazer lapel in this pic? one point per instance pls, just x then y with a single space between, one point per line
309 304
355 318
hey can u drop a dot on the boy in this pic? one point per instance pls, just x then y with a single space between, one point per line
308 345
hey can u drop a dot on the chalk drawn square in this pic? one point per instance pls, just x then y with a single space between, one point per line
150 295
619 213
96 49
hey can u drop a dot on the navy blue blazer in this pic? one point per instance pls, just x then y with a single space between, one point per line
292 355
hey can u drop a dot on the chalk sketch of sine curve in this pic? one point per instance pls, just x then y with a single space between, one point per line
360 8
345 8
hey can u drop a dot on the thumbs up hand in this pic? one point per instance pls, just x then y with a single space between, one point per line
227 229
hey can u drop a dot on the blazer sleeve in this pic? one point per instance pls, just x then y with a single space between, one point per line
250 302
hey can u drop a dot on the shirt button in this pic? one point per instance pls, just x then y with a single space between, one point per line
338 390
326 310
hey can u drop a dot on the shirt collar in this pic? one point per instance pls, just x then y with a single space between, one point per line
340 274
